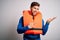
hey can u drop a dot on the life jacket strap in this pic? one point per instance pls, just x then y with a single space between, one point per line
35 29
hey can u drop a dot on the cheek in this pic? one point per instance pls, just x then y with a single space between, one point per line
34 10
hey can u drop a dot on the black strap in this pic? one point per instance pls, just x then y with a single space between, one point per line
35 29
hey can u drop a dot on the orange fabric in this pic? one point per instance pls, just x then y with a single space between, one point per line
28 18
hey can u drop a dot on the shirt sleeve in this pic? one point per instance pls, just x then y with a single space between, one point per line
45 27
20 27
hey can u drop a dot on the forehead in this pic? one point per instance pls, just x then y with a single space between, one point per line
35 7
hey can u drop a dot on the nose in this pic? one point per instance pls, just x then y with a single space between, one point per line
36 10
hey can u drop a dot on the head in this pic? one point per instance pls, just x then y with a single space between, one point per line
34 7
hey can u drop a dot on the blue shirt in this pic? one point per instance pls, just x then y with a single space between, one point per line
21 29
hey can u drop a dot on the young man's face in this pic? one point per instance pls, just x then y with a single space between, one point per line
35 9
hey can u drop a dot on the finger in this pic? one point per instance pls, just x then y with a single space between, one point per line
53 18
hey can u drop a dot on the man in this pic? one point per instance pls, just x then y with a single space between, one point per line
32 24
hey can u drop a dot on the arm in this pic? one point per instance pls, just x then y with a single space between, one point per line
20 27
45 27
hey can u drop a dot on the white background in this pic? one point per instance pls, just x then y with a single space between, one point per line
11 11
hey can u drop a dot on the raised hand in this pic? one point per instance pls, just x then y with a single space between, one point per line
50 19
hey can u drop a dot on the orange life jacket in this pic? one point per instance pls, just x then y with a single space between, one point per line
28 18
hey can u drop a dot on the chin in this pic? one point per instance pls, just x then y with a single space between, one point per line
34 14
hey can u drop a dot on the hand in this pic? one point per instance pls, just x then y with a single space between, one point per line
30 25
50 19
